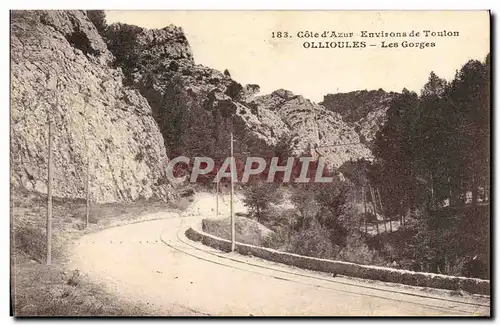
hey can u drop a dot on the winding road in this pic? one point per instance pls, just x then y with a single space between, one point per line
154 264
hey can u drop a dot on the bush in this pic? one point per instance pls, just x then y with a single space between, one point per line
139 157
258 198
98 18
276 240
30 240
121 41
234 91
356 251
247 231
314 242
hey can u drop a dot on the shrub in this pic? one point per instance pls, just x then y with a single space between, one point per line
259 196
30 240
276 240
139 157
247 231
356 251
75 278
254 108
234 91
313 241
98 18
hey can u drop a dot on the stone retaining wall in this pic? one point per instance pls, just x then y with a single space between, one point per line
385 274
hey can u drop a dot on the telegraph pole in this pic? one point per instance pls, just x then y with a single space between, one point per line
87 186
50 175
87 209
49 197
232 191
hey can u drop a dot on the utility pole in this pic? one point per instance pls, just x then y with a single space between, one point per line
232 191
87 210
50 175
49 197
87 187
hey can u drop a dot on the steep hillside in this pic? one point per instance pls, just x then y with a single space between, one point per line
60 67
314 130
196 106
365 111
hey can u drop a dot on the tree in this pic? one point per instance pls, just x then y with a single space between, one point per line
98 18
234 91
435 148
259 196
435 86
121 40
395 149
469 100
431 166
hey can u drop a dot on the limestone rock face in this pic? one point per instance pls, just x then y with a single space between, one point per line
61 69
314 130
197 107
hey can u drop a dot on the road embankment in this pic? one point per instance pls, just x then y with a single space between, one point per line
471 285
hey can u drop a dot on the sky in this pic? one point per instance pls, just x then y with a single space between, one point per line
241 41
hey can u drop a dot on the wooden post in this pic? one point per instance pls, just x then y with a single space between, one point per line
233 172
49 198
87 188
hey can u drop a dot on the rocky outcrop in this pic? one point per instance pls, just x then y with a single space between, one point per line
196 107
61 69
313 129
363 110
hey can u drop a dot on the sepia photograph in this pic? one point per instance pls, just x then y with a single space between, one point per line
250 163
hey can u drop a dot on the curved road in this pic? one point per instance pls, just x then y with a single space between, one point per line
153 263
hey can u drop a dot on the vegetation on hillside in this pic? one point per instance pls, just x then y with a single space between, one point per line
430 179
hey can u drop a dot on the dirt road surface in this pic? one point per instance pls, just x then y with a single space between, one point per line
154 264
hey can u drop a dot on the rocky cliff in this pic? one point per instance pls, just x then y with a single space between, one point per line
365 111
196 106
313 129
61 69
129 97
